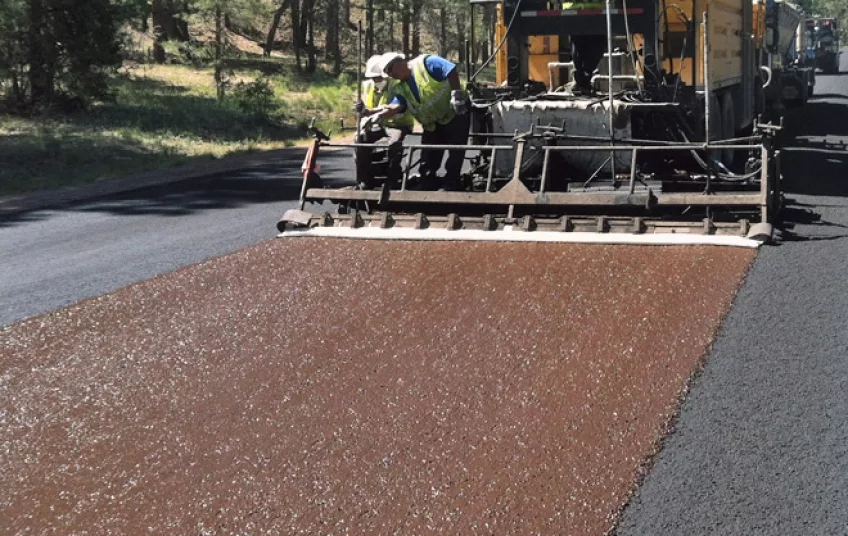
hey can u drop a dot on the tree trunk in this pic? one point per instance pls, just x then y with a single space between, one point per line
333 52
296 35
337 62
369 28
167 23
490 44
166 26
159 32
330 35
488 23
416 26
275 24
380 31
443 32
392 29
305 13
460 36
307 39
219 51
40 77
312 61
16 89
405 34
347 22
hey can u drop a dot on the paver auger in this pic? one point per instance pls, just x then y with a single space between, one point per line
666 148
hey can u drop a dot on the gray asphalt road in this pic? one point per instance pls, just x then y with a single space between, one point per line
761 444
51 258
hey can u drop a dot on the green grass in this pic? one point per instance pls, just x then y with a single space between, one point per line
165 115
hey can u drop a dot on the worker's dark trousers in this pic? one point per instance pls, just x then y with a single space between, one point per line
454 133
394 139
586 53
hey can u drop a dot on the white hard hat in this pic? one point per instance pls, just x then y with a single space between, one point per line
388 58
372 67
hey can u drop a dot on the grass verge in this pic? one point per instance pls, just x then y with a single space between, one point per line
166 115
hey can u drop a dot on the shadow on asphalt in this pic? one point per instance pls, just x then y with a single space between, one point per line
815 171
276 181
796 214
814 164
820 96
822 118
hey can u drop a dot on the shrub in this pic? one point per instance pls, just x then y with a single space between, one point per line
254 98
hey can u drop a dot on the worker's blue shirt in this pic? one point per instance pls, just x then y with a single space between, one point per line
437 67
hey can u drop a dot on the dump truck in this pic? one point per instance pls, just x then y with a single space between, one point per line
667 148
791 80
823 40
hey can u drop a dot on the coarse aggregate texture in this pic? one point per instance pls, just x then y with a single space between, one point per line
761 444
306 386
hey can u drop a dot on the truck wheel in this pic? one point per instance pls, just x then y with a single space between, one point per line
728 128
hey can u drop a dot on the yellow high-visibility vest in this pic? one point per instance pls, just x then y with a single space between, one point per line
372 99
434 105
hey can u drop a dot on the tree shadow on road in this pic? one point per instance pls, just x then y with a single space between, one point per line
796 214
822 96
822 118
275 180
258 185
815 166
815 171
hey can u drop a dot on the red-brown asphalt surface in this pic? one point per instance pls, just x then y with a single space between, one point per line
320 386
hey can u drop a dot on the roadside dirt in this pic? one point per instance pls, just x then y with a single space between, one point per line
318 386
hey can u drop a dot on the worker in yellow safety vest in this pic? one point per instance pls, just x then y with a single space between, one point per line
428 88
377 91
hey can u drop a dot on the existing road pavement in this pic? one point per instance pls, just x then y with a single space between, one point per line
54 257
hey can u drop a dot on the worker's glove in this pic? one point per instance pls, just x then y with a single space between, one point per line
371 122
359 107
459 102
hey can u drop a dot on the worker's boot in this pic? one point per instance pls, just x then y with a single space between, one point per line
364 172
578 90
428 182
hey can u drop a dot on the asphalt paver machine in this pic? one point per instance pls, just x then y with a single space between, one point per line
667 147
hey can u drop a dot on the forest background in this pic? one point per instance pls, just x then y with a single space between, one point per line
92 89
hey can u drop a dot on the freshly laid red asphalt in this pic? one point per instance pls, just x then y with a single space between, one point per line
320 386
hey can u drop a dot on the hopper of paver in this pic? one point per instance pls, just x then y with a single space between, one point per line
639 165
